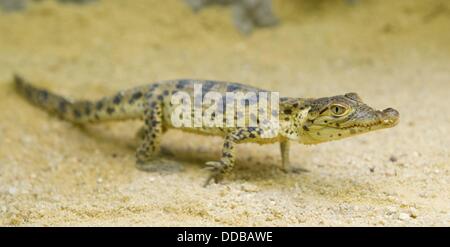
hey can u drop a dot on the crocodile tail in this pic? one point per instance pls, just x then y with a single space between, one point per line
80 111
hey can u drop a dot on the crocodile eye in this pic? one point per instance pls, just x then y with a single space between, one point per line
338 110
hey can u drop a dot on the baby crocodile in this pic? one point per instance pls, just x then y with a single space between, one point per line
303 120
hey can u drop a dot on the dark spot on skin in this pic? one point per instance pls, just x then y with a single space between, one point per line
295 105
338 125
43 95
287 111
154 123
117 99
76 113
99 105
153 104
326 121
226 144
318 133
153 87
182 84
228 155
233 87
134 97
305 128
166 92
283 99
252 135
206 87
339 134
110 110
286 118
87 109
160 97
331 136
62 106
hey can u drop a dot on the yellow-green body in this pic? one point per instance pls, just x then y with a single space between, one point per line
306 121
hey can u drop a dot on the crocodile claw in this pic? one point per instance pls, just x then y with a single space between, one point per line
216 168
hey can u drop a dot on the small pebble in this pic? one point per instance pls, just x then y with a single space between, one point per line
249 188
393 158
413 212
403 216
423 195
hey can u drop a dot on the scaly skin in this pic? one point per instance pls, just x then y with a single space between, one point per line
307 121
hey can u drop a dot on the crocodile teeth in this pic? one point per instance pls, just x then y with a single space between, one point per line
363 125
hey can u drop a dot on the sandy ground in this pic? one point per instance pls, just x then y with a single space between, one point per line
393 53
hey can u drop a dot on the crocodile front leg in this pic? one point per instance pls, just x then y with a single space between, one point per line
225 164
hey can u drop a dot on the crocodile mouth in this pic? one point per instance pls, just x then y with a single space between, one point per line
384 123
386 118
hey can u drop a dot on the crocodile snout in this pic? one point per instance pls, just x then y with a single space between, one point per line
390 116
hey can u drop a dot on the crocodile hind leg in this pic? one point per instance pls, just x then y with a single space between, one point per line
148 153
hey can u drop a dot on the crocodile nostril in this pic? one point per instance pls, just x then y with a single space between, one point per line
391 116
391 112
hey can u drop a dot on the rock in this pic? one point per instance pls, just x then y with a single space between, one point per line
247 14
413 212
423 195
393 158
249 188
403 216
12 5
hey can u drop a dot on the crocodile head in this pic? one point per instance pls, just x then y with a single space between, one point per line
337 117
